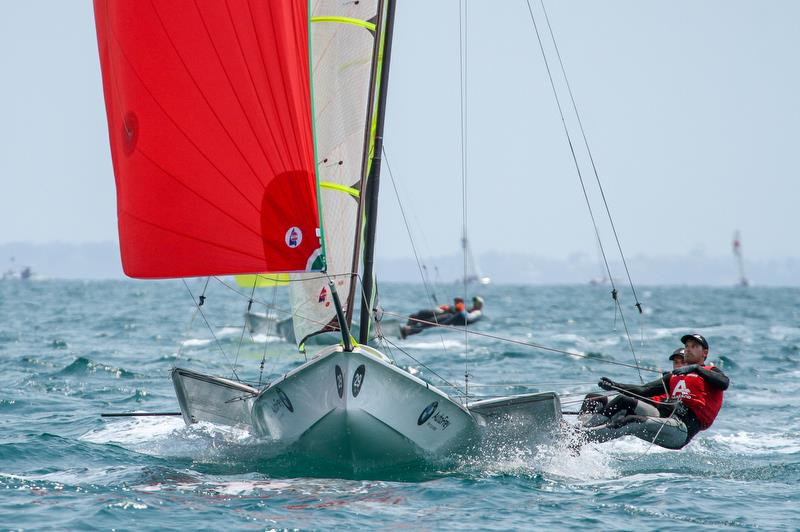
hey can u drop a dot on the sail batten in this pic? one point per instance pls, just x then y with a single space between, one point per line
209 112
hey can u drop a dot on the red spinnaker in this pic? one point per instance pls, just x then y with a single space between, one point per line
209 119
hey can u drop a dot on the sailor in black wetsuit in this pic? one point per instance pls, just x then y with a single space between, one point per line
426 318
594 403
695 394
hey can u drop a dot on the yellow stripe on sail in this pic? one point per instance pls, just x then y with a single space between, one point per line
346 20
262 280
341 188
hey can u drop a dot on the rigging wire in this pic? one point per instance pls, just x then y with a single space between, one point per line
392 344
409 355
462 56
216 340
267 335
411 238
658 432
638 367
580 178
591 157
194 316
244 324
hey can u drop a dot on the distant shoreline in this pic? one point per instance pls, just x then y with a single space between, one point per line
100 260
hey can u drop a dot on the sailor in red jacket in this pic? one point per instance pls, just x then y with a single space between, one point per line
695 398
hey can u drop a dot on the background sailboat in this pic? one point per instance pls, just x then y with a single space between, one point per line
473 274
737 252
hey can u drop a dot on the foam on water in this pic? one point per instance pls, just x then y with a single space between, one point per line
446 343
754 443
196 342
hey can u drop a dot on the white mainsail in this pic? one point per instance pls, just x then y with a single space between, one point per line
343 42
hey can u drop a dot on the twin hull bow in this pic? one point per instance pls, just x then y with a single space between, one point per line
354 408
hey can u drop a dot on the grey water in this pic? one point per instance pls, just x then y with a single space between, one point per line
71 350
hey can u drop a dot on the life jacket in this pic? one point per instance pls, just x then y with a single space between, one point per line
702 399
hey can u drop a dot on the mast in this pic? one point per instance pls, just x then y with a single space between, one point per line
364 179
737 251
373 182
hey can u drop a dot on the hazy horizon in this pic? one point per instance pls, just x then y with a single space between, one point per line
100 260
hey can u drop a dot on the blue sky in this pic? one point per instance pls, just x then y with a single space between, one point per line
690 108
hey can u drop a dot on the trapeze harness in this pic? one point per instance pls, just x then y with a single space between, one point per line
694 401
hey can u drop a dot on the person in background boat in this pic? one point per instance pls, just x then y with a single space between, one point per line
466 316
695 398
595 402
426 318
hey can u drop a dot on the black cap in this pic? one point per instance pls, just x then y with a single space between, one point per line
697 338
677 353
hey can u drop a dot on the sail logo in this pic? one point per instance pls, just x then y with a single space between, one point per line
681 390
427 413
323 295
294 236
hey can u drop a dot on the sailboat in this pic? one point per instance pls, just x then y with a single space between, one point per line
246 138
474 274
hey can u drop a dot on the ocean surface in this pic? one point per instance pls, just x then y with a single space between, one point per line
71 350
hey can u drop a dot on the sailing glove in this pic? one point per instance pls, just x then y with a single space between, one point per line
607 384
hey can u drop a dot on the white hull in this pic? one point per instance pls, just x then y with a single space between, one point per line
358 411
522 420
354 409
367 412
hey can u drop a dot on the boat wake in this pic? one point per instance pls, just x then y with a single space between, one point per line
554 460
234 450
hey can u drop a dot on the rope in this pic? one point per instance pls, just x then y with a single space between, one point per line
216 340
591 157
536 346
267 334
531 385
244 324
580 175
410 237
447 383
658 432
